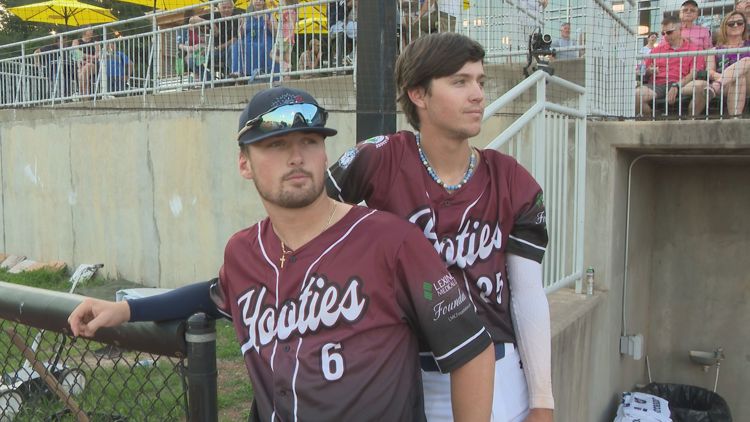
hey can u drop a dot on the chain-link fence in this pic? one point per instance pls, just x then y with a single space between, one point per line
136 372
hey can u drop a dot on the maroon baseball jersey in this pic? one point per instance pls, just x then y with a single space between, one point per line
335 334
499 210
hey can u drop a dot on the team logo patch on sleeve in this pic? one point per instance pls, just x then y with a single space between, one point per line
348 157
379 141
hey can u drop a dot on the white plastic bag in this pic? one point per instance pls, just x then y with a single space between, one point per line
641 407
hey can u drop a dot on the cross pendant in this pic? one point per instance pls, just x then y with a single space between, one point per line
282 259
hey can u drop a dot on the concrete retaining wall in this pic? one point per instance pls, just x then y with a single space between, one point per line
687 266
152 195
155 195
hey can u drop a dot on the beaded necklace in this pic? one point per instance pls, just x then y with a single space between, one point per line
436 178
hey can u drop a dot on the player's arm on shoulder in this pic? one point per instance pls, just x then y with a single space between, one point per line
531 321
355 176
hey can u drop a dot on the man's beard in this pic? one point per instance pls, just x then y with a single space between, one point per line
292 199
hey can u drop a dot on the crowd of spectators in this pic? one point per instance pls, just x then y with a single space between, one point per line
696 78
248 47
228 43
74 66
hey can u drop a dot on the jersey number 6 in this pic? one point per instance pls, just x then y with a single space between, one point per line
332 362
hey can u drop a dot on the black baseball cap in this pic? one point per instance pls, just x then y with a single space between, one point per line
691 2
280 110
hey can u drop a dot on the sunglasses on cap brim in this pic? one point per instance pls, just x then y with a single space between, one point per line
288 116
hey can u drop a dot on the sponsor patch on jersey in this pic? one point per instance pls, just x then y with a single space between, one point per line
541 218
427 289
539 200
451 309
348 157
379 141
445 284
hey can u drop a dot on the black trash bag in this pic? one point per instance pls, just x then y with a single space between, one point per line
689 403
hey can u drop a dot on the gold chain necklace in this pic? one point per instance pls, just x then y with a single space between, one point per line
285 252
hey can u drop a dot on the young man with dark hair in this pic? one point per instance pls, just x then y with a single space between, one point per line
480 209
330 302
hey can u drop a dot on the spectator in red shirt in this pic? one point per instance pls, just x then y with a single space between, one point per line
673 77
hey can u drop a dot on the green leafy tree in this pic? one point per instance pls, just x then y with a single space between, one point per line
14 29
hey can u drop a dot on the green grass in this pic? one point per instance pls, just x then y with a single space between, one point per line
116 387
44 279
235 389
137 394
226 342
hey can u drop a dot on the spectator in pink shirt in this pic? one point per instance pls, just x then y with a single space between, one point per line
696 34
674 77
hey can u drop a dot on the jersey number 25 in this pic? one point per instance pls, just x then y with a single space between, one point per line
487 287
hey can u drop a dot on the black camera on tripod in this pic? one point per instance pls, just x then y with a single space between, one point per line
540 51
540 42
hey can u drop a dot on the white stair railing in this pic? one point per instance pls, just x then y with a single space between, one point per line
549 139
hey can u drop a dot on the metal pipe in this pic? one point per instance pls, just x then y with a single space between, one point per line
48 310
716 381
201 370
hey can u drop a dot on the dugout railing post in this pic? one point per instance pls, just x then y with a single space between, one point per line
201 369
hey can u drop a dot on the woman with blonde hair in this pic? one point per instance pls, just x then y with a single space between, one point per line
731 71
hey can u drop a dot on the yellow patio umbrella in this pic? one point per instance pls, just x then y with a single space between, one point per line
66 12
242 4
164 4
310 19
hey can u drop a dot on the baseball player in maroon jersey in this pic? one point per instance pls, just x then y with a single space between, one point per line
331 302
480 209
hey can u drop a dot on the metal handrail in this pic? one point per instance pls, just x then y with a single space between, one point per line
49 310
564 256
